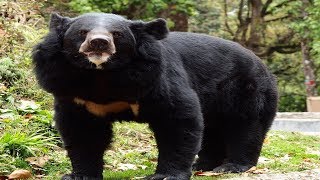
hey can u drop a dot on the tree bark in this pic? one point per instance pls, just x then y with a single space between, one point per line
308 65
308 68
256 26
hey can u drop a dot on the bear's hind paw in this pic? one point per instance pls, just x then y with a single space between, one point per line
231 168
164 177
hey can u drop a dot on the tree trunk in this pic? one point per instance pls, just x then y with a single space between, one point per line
308 65
252 26
180 21
256 26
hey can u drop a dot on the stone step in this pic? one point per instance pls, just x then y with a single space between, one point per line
297 125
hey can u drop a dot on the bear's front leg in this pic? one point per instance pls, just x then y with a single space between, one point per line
85 137
177 123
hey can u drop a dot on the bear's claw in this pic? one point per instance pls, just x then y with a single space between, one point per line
231 168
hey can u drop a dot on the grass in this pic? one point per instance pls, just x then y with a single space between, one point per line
27 132
291 152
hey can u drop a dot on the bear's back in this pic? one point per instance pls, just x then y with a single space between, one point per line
201 46
213 57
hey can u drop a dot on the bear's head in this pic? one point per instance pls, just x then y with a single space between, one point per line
103 41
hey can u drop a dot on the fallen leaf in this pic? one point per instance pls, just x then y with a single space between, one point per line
107 166
40 176
3 88
139 178
207 173
307 160
143 167
245 174
261 171
125 167
28 106
153 159
255 170
38 161
266 140
20 174
2 33
28 116
263 160
285 158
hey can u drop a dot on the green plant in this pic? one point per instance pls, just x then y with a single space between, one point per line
21 27
9 73
292 102
19 144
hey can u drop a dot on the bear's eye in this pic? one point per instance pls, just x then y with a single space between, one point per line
83 32
116 34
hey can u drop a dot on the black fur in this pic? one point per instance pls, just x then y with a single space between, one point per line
191 88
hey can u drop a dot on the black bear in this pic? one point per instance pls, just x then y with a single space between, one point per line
200 94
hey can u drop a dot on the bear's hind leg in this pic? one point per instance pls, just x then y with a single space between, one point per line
212 151
247 108
243 140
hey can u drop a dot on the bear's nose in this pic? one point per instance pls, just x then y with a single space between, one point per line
99 43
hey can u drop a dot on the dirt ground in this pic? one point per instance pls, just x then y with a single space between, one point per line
304 175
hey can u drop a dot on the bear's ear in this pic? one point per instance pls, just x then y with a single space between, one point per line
157 28
57 21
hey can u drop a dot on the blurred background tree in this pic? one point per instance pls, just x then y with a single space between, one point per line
175 11
285 34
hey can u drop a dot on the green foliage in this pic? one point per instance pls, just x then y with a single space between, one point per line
21 27
207 19
292 103
146 9
308 27
25 131
9 73
19 144
288 70
313 25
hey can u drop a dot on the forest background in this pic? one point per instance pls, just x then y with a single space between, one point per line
285 34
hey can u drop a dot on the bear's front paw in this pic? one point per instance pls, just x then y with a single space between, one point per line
79 177
231 168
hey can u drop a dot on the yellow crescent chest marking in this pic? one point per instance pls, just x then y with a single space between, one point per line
135 109
105 109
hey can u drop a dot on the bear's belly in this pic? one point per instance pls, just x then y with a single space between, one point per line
103 110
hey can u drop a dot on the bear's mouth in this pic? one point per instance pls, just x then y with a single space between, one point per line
98 58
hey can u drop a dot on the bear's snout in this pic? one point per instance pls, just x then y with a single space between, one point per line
98 46
99 42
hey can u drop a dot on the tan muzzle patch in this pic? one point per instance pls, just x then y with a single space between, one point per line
98 46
